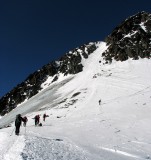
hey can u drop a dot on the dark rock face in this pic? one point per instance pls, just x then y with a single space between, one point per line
70 63
131 39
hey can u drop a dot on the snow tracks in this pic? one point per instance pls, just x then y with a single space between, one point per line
38 148
11 146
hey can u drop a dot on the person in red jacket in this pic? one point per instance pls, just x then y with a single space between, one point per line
26 119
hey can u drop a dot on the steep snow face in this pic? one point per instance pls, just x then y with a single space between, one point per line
80 126
70 63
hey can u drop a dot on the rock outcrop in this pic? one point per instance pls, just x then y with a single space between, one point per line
131 39
70 63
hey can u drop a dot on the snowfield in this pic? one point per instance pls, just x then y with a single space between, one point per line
78 127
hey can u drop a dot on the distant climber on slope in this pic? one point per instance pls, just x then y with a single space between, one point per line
100 102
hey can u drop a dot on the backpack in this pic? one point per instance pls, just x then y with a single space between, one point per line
40 124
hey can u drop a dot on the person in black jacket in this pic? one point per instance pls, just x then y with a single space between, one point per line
37 119
18 121
100 102
44 117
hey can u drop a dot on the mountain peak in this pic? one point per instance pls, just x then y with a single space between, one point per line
70 63
140 17
131 39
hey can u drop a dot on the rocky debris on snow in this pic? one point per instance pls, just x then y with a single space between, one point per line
75 94
62 101
67 104
59 116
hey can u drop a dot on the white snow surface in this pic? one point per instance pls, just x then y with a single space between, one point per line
143 26
78 128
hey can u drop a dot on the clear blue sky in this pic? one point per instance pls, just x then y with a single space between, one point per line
35 32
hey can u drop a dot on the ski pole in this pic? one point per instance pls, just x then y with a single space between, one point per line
25 129
12 131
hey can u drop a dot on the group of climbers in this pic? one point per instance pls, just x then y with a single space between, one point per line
18 122
19 119
37 119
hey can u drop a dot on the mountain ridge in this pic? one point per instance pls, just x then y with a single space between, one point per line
128 40
70 63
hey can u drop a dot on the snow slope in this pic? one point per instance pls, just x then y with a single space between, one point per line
78 128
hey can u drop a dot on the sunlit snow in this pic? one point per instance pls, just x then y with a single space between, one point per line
78 127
